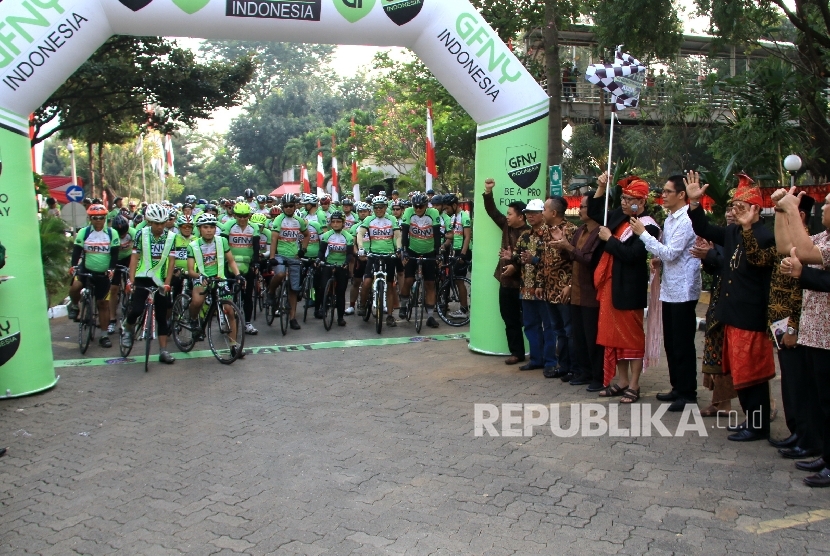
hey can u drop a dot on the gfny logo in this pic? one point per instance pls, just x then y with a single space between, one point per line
354 10
187 6
523 165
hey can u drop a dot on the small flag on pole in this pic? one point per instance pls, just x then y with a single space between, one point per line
335 194
354 158
304 178
321 172
168 147
431 170
623 79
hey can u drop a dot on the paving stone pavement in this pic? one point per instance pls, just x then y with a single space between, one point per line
370 451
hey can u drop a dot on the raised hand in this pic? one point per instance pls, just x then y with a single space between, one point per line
790 201
489 184
694 191
748 216
791 266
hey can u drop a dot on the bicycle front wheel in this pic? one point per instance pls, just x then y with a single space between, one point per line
449 305
308 289
329 304
285 307
182 333
417 304
85 326
226 332
149 326
380 292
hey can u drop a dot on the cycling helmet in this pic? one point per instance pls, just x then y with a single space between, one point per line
437 200
240 199
87 201
97 201
187 205
249 193
120 224
275 211
205 218
337 215
173 214
420 199
397 203
347 201
167 203
325 197
242 209
363 206
184 220
311 199
261 198
406 204
117 198
190 199
450 199
211 207
213 202
97 209
138 219
290 199
380 200
259 218
125 211
395 192
201 201
156 213
270 199
381 193
227 203
178 206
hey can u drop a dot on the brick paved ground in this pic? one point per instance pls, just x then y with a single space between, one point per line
369 451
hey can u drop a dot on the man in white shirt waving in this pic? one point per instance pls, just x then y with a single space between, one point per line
679 291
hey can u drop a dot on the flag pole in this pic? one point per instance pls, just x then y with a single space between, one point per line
608 184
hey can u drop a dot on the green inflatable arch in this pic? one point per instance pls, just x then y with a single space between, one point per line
42 42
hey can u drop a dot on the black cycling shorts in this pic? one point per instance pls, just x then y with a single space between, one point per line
429 268
461 265
389 267
100 284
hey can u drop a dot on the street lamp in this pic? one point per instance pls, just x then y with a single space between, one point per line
792 164
71 148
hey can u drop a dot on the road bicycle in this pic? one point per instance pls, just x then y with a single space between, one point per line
123 296
417 295
145 326
283 308
330 296
220 320
307 287
448 298
88 311
262 279
377 300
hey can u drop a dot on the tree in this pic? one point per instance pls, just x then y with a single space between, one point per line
750 22
112 89
277 63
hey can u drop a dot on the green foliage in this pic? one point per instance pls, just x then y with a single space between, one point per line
109 93
647 28
55 249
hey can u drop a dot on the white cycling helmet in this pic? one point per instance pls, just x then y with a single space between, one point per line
205 218
156 213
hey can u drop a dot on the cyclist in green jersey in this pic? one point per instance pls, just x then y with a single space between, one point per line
152 265
184 224
358 266
289 240
117 205
336 247
462 229
126 235
420 237
312 213
208 257
244 242
96 251
383 235
349 217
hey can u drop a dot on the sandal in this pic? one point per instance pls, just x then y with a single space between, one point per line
630 395
713 411
612 391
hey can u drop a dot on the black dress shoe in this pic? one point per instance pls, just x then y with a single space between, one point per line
595 387
736 428
797 452
579 381
550 372
567 377
819 480
815 465
559 373
669 397
747 435
680 404
788 442
530 367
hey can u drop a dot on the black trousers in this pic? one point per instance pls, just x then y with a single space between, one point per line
510 306
584 324
755 403
818 363
162 304
679 326
799 397
248 294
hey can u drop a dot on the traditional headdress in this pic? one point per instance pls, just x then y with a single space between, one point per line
634 186
747 191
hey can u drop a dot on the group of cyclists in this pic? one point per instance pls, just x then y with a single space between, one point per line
163 248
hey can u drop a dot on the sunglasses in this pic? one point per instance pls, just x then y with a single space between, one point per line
397 208
419 206
288 206
97 217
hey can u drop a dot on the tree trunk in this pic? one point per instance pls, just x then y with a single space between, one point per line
554 75
91 170
101 167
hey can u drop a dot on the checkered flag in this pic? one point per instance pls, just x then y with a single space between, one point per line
622 80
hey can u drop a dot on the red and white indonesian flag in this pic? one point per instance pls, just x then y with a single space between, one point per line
304 179
432 171
356 192
168 149
335 194
321 175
